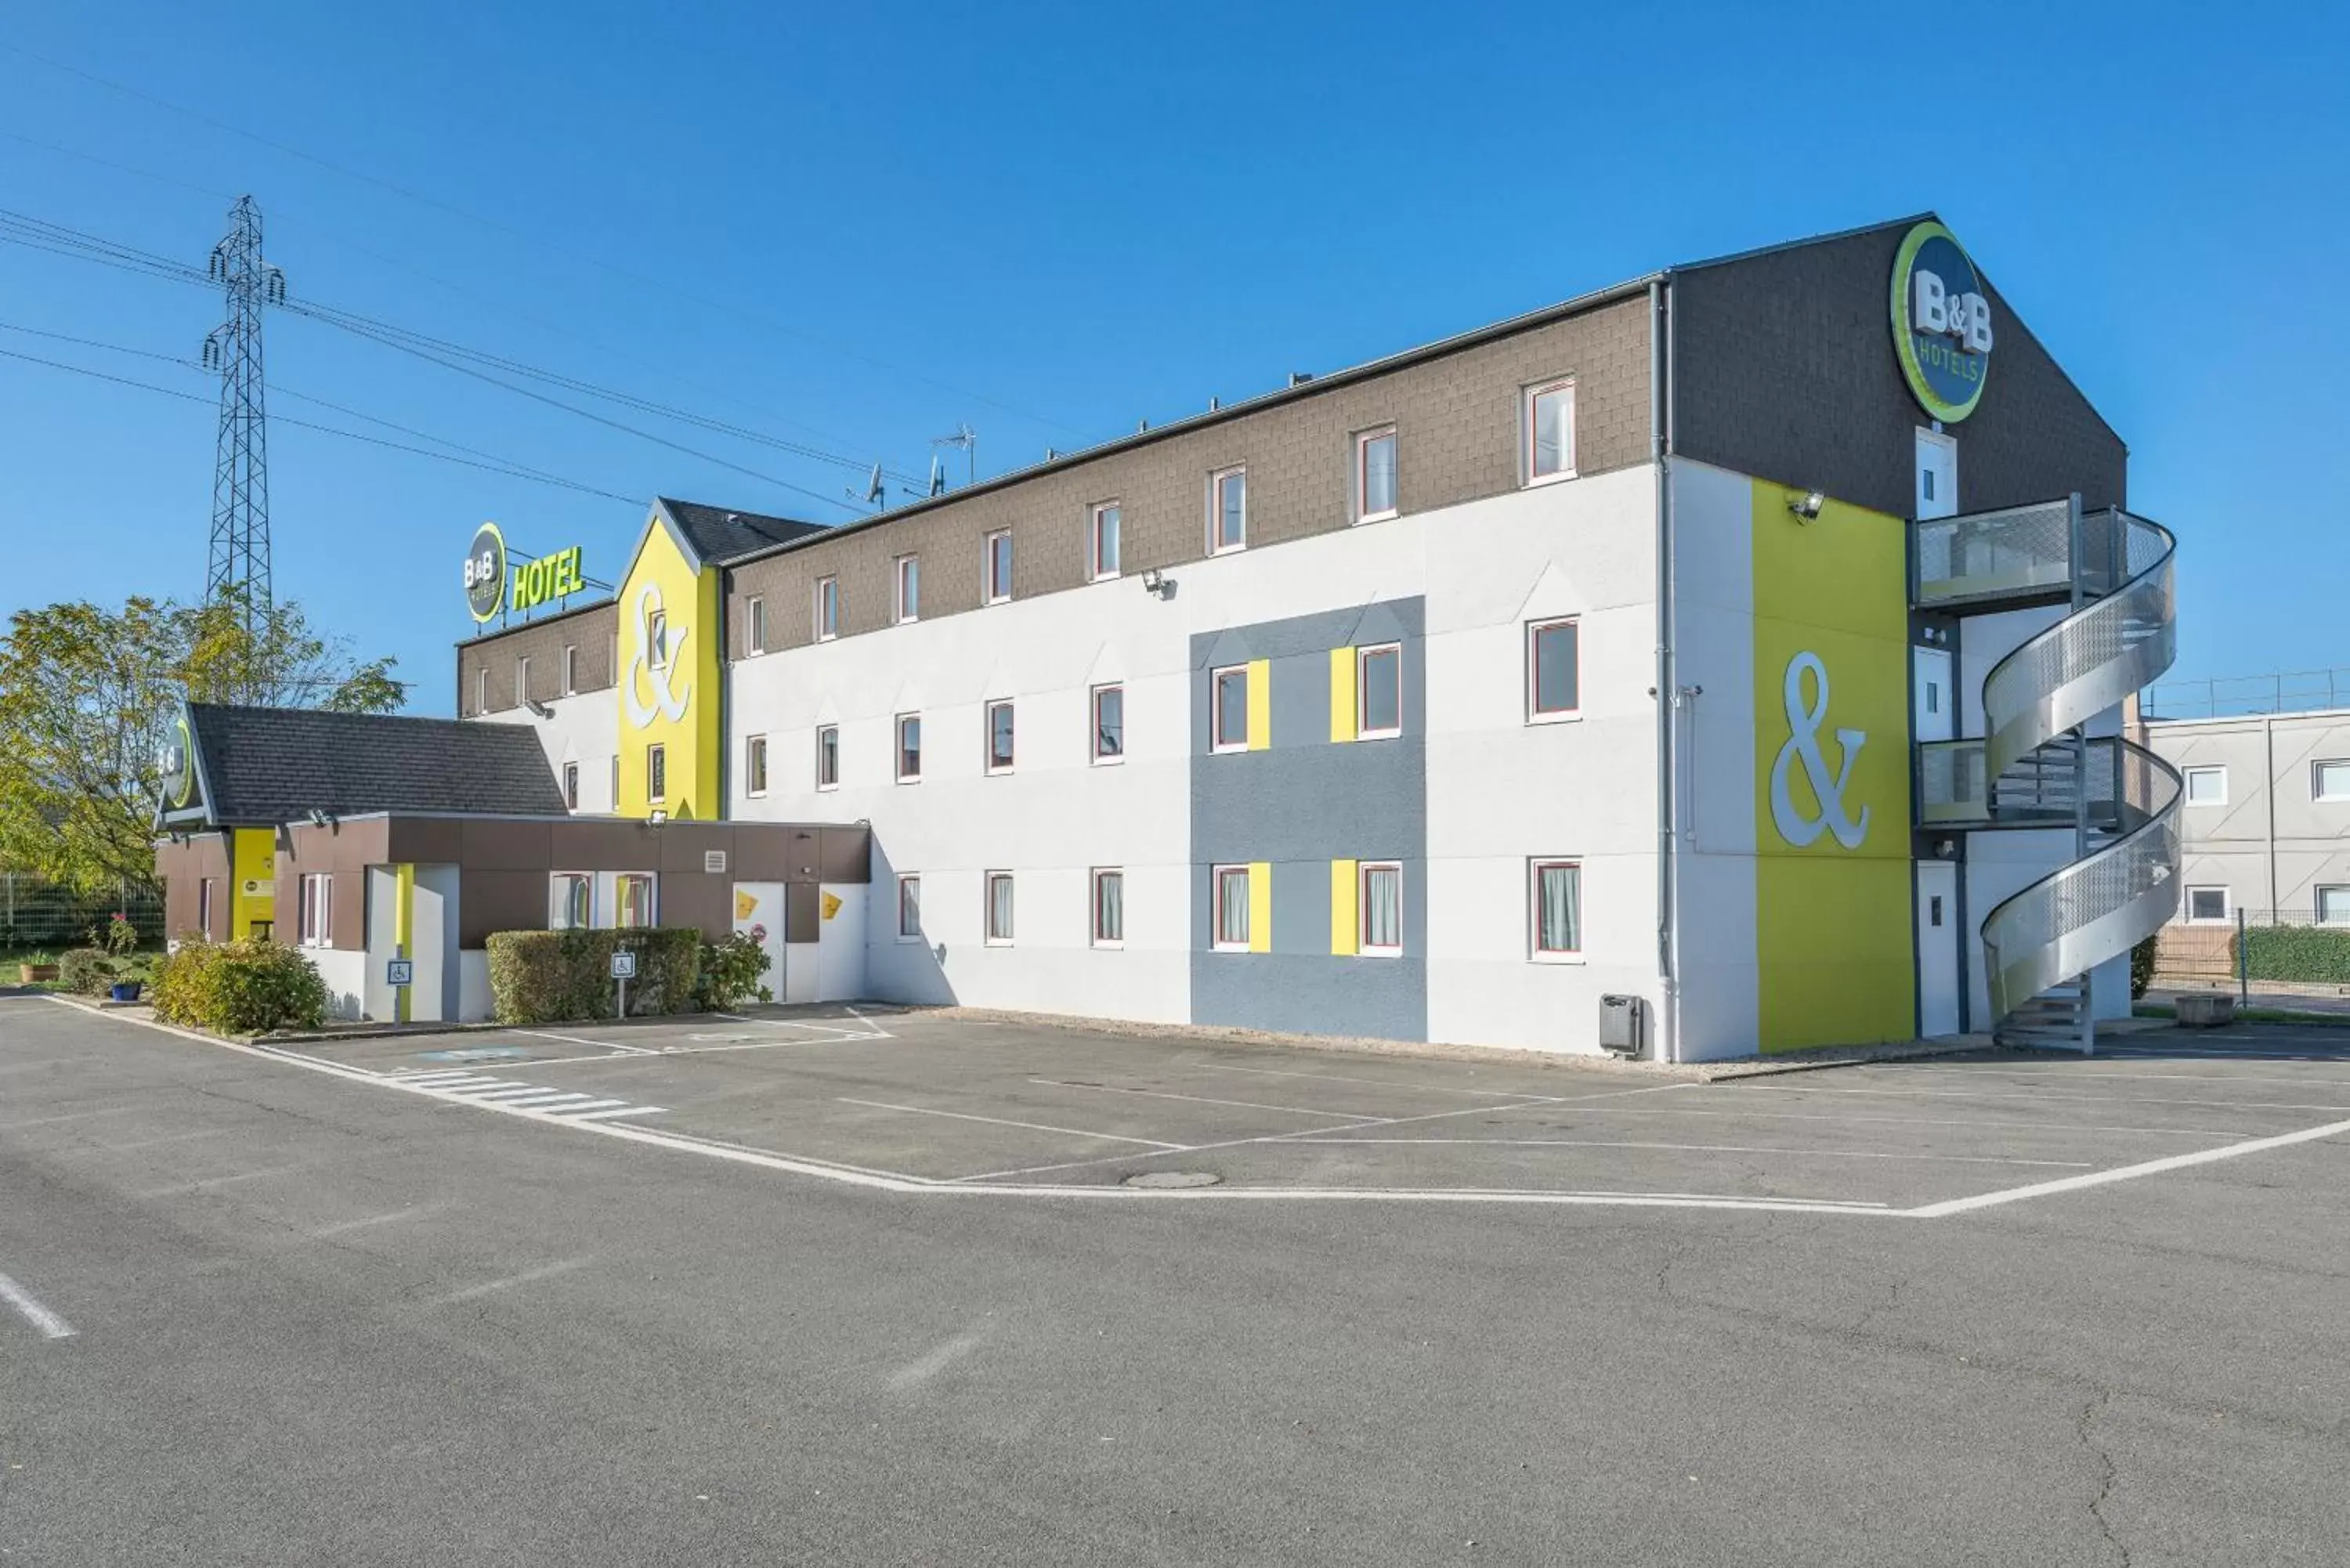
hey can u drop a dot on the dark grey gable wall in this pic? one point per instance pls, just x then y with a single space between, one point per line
1784 369
1299 804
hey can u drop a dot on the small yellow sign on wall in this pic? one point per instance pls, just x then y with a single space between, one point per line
831 905
746 904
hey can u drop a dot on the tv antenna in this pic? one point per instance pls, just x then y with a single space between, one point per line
968 439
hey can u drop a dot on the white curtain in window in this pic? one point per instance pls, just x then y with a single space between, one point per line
1561 911
1109 907
1382 906
1232 907
999 908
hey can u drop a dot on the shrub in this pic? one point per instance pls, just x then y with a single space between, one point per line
555 977
85 971
121 936
2311 954
2141 968
731 971
240 988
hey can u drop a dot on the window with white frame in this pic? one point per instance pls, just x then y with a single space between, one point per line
1550 431
655 772
1378 692
755 765
204 904
2333 906
995 567
998 737
570 669
828 756
570 901
633 894
1109 908
1229 699
1375 475
571 786
2207 785
910 588
827 608
657 639
614 798
1232 909
2207 906
999 908
522 679
481 689
1379 908
1102 545
1109 723
909 748
1227 511
909 908
1554 670
1555 895
755 629
2329 781
318 913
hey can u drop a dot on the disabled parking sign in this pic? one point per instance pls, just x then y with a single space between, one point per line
400 971
624 966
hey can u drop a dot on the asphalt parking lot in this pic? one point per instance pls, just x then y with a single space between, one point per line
921 1101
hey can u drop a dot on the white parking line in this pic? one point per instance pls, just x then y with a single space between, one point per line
2126 1172
1707 1148
1382 1083
999 1121
613 1046
601 1116
2097 1067
2059 1129
1199 1099
51 1325
528 1276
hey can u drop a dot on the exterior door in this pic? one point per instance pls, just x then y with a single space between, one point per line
759 909
1938 948
1938 475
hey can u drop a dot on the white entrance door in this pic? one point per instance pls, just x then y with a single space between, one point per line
1938 475
1938 947
759 909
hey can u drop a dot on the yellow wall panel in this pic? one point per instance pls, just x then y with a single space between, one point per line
1342 694
1260 894
678 707
254 872
1260 704
1344 925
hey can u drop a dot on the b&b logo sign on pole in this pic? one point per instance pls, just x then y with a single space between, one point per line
1941 323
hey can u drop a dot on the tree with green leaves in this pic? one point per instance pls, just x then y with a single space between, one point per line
87 695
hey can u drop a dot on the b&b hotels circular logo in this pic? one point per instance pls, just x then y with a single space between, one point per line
1941 323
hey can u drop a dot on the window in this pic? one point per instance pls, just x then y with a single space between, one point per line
1550 433
633 892
910 588
999 908
1553 672
481 689
828 756
755 631
909 748
1375 475
1230 701
1109 723
613 800
827 608
1378 687
570 901
1109 908
317 896
1557 909
571 786
755 765
204 904
909 908
2207 786
2207 906
1227 511
996 568
570 669
998 737
1381 911
522 679
1231 933
2329 781
656 771
2333 906
1102 549
657 639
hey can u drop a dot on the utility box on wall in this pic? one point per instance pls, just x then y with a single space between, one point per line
1623 1025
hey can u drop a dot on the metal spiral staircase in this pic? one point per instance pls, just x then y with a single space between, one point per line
2035 767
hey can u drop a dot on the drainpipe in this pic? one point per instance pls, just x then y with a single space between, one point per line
2268 737
1660 444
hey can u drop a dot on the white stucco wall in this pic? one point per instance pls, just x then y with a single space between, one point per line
344 972
584 729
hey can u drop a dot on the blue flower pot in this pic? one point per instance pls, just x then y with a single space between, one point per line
128 990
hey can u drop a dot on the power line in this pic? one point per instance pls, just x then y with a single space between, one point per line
639 279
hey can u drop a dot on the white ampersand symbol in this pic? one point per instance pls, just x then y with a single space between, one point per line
1803 743
666 702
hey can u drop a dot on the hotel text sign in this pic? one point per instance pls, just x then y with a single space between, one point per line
491 583
1941 323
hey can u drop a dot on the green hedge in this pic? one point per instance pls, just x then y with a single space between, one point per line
558 977
2311 954
85 971
2142 961
240 988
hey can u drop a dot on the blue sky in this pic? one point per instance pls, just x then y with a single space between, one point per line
856 226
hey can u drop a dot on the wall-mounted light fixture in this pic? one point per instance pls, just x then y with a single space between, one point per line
1158 583
537 708
319 818
659 819
1806 507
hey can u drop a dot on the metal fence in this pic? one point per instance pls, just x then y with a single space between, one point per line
2247 696
37 915
2280 952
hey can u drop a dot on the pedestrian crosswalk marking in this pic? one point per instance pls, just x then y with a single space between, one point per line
513 1094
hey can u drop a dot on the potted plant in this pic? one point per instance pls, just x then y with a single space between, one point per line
121 940
39 967
126 990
